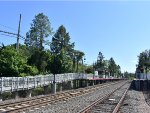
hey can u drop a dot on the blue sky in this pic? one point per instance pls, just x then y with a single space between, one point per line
118 29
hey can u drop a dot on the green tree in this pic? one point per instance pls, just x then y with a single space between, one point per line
2 46
100 58
106 69
89 70
128 75
61 40
100 63
35 39
112 67
144 61
78 56
62 50
39 30
40 60
60 63
12 63
118 71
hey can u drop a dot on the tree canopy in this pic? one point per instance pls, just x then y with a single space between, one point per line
107 67
39 30
13 63
61 57
144 61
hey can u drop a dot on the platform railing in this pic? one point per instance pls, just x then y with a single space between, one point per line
8 84
143 76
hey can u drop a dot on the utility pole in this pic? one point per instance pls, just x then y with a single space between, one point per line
18 35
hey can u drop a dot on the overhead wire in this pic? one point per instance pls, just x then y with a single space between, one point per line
13 34
8 27
8 35
8 32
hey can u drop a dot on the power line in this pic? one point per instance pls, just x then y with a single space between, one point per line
21 37
8 27
8 32
11 36
14 34
11 28
8 35
18 36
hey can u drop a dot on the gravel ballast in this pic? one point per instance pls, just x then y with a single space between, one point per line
135 103
109 104
75 104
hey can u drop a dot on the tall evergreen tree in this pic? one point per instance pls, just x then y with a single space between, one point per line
39 30
62 50
61 40
100 63
112 66
79 56
106 65
35 39
118 70
100 57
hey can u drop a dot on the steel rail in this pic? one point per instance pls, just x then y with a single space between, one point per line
88 108
121 101
51 98
59 93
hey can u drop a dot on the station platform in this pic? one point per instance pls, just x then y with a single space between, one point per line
140 84
97 78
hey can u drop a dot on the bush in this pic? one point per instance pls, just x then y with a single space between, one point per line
7 95
38 91
11 62
29 70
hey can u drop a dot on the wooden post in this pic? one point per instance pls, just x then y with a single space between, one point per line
18 35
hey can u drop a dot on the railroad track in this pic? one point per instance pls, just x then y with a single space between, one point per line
49 99
109 103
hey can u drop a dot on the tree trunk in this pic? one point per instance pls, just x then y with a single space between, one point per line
74 65
77 66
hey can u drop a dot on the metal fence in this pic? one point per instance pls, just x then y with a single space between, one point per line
143 76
